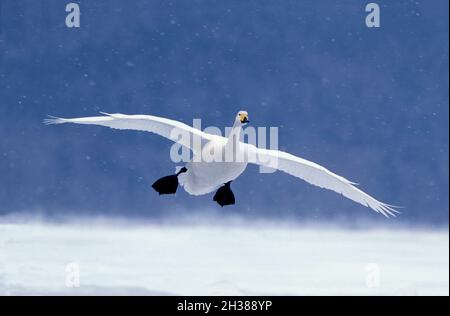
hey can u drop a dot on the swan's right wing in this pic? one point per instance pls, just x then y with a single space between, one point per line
178 132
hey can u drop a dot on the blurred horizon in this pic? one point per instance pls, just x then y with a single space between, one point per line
369 104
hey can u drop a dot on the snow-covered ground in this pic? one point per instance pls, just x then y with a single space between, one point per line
218 260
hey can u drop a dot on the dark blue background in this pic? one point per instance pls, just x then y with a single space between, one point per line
370 104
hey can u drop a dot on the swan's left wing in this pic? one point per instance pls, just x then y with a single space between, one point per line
178 132
314 174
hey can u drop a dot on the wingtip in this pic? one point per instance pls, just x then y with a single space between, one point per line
388 211
52 120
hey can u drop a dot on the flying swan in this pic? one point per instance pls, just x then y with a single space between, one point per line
199 176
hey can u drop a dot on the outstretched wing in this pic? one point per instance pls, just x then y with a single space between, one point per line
176 131
316 175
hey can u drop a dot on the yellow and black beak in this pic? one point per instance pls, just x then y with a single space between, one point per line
244 118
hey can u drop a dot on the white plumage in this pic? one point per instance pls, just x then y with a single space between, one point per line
204 177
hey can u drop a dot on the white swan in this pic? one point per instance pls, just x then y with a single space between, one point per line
201 177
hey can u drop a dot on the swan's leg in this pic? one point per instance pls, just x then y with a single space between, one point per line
168 184
224 196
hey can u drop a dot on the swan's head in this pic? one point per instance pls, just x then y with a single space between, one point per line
242 117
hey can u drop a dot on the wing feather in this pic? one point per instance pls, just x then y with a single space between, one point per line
176 131
317 175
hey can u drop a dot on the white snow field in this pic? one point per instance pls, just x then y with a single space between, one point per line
41 259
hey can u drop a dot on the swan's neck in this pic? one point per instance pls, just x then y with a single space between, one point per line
235 135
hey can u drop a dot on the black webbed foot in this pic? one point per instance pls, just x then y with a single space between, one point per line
224 195
168 184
